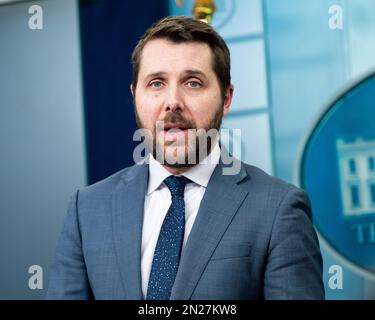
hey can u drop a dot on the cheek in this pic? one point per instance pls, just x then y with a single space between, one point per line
205 109
147 111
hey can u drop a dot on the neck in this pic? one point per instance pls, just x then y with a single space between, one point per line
177 170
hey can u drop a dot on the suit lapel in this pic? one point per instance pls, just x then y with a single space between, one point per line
127 219
221 201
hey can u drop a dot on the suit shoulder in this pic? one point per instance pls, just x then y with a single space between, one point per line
275 190
106 185
263 180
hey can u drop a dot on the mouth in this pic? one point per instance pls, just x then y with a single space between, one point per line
174 131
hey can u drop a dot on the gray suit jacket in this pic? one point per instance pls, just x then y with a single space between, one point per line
252 239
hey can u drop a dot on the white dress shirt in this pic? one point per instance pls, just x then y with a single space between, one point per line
158 201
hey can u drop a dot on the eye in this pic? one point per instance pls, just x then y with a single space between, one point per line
156 84
194 84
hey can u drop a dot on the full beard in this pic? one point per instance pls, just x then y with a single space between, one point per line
196 148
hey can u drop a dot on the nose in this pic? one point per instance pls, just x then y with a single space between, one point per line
174 99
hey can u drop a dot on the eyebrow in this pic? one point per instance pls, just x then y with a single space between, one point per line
159 74
190 73
194 72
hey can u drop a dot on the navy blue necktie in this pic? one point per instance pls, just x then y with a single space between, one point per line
168 248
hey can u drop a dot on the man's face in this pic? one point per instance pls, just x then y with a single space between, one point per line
177 85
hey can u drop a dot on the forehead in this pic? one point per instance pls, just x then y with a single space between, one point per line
161 55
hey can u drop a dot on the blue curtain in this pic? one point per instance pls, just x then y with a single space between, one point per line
109 32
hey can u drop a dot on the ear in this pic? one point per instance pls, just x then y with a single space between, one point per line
132 90
228 99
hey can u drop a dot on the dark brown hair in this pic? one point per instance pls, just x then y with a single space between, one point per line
185 29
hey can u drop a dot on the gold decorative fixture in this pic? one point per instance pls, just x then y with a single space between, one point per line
203 9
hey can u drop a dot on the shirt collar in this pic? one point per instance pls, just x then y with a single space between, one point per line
199 174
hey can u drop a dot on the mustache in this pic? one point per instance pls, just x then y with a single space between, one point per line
178 118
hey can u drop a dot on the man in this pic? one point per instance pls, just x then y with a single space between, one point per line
176 226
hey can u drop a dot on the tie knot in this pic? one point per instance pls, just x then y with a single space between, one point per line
176 185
